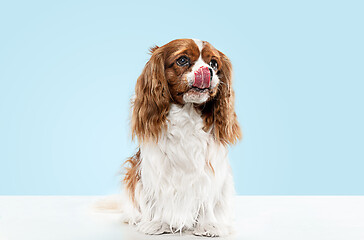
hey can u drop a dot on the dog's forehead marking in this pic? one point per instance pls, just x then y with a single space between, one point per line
200 62
199 44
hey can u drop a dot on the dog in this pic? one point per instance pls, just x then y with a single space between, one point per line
183 118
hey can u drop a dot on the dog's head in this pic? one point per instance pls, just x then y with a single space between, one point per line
185 71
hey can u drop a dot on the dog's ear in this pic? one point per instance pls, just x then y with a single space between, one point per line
152 99
220 112
152 49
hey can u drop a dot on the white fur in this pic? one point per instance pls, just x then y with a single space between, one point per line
178 190
199 44
194 97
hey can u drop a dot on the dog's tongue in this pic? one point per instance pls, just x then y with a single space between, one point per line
202 78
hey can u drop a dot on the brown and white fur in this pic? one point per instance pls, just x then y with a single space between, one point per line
180 178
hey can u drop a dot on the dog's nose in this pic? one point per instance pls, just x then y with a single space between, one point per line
202 78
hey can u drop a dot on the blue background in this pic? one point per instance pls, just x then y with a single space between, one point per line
68 69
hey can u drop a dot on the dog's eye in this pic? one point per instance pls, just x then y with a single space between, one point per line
213 64
183 61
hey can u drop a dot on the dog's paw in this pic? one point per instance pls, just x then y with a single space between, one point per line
153 227
211 230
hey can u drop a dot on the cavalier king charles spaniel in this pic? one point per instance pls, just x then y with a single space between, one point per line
183 118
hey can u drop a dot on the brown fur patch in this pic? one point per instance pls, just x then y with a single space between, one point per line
132 175
152 100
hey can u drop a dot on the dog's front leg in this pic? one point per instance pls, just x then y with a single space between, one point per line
210 222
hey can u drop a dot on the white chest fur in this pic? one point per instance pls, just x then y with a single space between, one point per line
185 176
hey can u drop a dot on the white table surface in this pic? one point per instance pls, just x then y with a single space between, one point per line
257 217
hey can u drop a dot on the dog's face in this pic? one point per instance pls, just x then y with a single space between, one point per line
185 71
191 70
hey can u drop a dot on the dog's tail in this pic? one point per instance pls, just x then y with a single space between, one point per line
111 203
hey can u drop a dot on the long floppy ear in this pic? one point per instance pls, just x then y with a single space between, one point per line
152 100
226 128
